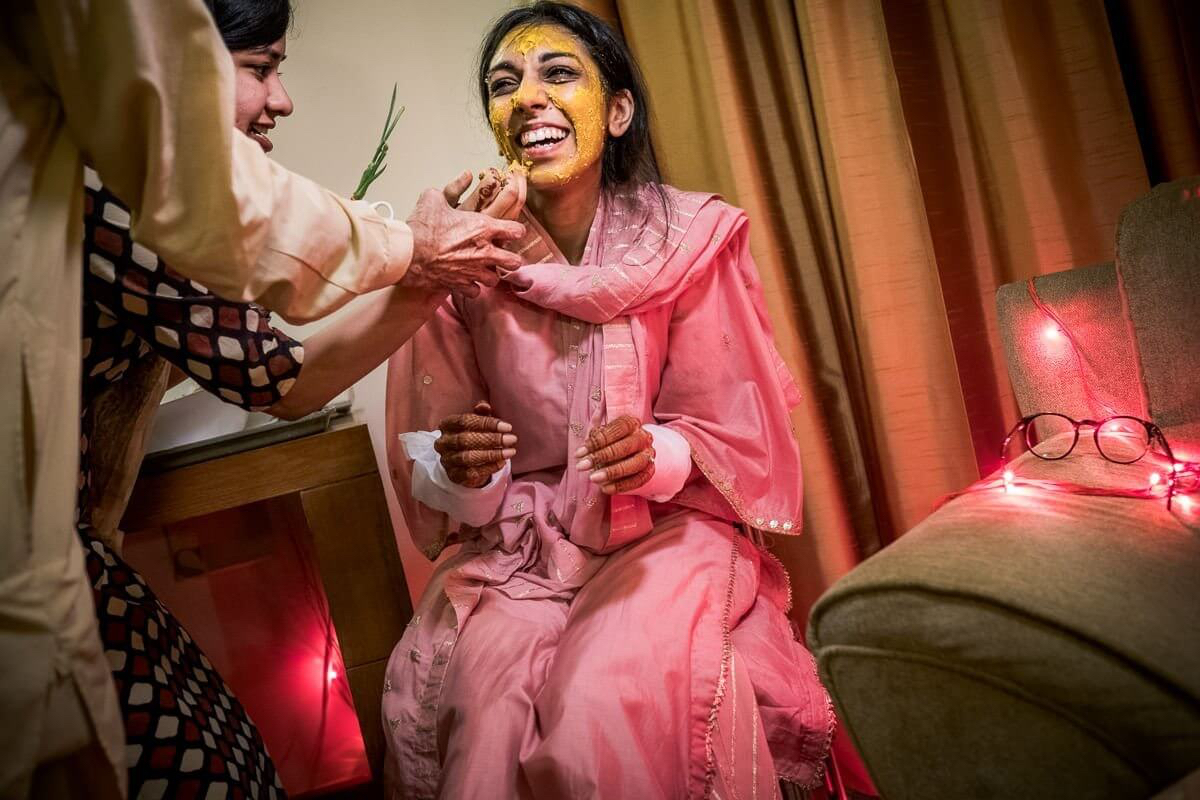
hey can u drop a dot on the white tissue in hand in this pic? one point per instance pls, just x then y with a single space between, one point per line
433 487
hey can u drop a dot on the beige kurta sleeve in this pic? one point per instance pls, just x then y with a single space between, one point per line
148 92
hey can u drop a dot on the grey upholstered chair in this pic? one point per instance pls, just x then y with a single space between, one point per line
1029 644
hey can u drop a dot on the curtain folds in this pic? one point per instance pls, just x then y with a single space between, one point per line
899 160
1023 137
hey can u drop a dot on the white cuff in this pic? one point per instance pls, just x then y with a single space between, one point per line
433 487
672 464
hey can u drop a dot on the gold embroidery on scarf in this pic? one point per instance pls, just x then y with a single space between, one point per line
710 767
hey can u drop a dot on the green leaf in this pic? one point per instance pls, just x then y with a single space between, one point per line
376 166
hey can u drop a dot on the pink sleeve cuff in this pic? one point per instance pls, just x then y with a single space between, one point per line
672 465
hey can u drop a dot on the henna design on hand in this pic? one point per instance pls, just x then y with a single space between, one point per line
474 446
627 485
621 453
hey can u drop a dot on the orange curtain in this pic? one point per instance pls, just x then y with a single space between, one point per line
899 160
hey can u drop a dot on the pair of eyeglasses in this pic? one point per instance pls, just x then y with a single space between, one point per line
1120 439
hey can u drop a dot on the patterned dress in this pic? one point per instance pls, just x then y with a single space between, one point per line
186 734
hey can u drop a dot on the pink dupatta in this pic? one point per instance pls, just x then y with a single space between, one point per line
732 407
725 387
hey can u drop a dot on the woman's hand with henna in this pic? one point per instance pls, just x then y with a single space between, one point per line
474 446
498 194
620 455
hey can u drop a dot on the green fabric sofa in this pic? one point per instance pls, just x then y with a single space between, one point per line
1033 644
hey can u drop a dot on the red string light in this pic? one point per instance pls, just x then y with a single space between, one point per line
1057 329
1158 487
1011 484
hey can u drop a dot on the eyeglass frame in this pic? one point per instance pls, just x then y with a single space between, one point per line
1153 434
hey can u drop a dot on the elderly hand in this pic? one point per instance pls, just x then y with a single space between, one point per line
621 455
474 446
455 249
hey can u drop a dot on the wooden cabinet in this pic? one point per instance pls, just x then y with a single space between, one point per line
322 494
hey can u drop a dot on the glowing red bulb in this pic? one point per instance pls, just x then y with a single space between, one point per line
1052 332
332 674
1155 478
1184 502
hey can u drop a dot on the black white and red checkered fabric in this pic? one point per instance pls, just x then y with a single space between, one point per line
186 735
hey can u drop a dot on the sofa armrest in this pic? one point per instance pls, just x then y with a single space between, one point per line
1026 644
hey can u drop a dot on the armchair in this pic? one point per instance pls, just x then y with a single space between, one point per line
1032 644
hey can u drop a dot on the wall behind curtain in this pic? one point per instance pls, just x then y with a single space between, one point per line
899 160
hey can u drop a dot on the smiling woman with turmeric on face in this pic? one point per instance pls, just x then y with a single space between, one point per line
546 104
599 435
550 112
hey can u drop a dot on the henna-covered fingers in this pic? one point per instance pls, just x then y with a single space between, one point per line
621 455
460 423
473 440
635 481
637 440
508 199
635 471
474 477
476 458
608 434
474 446
490 182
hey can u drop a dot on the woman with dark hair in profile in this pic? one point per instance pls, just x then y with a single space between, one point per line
186 734
610 625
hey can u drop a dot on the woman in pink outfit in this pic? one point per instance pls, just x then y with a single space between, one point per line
604 435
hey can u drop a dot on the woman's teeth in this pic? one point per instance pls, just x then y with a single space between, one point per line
542 138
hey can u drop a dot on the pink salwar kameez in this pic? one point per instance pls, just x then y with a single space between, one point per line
582 646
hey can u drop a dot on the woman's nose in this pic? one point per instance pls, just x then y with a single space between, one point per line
531 94
279 102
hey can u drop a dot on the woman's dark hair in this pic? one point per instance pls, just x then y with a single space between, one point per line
247 24
629 160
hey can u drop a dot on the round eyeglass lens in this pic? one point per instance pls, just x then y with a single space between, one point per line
1122 439
1050 436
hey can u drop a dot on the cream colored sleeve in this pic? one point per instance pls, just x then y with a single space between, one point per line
147 87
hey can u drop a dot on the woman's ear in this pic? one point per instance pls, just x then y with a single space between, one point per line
620 113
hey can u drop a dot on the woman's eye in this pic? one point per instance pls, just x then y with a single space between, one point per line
501 86
560 74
